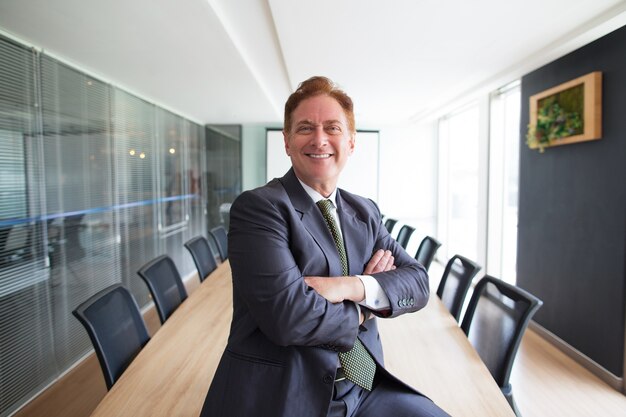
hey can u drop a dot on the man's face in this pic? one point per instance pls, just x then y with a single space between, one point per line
319 142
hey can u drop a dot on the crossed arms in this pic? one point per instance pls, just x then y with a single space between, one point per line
270 254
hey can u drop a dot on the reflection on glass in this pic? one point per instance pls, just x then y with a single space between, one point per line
173 135
88 172
223 177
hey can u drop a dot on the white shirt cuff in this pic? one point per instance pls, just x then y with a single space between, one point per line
375 297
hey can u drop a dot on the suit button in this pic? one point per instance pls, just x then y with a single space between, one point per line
328 379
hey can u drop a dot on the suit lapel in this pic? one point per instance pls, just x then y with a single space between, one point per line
353 230
313 221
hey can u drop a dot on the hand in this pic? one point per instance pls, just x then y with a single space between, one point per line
381 261
337 289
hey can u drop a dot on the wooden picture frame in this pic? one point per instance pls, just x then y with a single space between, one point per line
591 87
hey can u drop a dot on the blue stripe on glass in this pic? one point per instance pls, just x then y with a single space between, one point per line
45 217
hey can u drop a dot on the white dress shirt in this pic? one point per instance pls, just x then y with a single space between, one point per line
375 297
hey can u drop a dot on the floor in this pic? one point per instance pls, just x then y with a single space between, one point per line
548 383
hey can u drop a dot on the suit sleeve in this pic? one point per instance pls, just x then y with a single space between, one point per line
266 276
407 286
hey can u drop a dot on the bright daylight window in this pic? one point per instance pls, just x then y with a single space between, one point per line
459 183
504 146
466 193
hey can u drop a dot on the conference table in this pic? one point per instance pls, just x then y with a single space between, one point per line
171 375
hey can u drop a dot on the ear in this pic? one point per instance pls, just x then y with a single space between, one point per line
286 140
351 143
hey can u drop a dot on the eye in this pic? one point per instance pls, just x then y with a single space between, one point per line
333 129
304 129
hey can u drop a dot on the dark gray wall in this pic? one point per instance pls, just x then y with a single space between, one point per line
572 213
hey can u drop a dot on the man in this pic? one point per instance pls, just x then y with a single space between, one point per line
308 279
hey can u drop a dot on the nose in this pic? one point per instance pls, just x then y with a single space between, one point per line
319 137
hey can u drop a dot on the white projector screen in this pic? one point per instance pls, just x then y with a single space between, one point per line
360 175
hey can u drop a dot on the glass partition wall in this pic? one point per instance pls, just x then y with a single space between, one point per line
94 182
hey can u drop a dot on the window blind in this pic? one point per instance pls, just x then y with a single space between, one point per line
172 133
86 174
223 173
80 223
197 187
27 361
135 186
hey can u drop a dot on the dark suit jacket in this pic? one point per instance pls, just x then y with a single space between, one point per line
281 356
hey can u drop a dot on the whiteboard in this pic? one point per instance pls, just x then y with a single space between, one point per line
359 176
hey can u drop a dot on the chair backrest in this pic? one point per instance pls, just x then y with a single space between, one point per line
426 251
165 285
390 223
116 329
202 256
455 282
221 241
496 319
15 243
404 235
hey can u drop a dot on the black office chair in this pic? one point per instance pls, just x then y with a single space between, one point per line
390 223
15 244
202 256
165 285
426 251
496 319
116 329
404 235
455 282
220 237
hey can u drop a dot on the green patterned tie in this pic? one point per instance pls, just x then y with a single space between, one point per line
357 363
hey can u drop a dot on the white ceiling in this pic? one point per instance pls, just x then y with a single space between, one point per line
236 61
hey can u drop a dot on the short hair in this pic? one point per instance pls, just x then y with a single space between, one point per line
315 86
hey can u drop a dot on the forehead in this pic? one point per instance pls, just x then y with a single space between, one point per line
319 109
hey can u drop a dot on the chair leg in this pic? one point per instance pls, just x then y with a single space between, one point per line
508 394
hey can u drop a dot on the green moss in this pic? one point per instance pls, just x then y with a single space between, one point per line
558 116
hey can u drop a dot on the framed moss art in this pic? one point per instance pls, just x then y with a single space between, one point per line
568 113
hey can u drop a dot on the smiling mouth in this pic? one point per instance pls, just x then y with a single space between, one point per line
319 155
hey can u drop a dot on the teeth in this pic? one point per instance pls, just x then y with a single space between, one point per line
320 155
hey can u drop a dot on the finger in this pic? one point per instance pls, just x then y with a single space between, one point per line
377 256
390 262
373 262
313 282
385 259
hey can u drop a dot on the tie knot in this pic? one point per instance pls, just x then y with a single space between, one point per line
325 206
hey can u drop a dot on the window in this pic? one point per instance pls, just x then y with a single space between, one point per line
223 167
171 151
88 173
458 213
504 145
27 360
478 182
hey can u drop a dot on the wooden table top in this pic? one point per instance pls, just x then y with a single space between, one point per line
429 351
171 375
